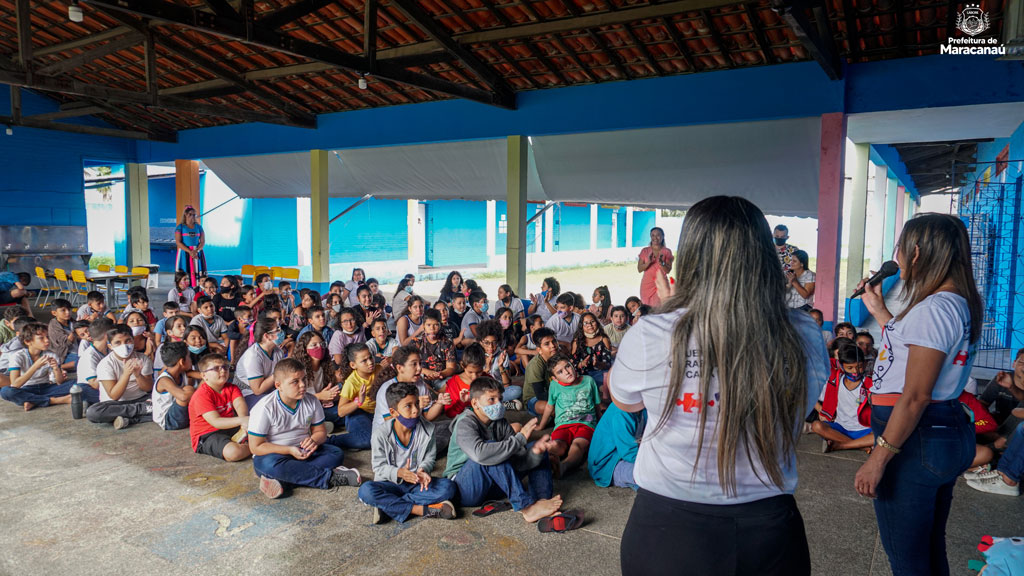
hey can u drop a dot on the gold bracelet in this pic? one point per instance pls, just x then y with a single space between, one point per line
885 444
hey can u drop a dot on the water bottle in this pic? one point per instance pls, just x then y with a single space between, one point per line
77 410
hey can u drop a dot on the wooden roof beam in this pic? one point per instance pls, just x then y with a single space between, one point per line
116 45
33 122
821 48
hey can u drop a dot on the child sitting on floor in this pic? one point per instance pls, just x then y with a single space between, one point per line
437 351
95 307
564 322
348 332
138 301
321 378
356 402
496 362
214 326
62 338
404 453
538 373
37 379
217 413
287 438
317 322
91 357
847 387
572 401
8 349
448 327
487 458
171 390
526 348
81 330
382 345
473 361
406 362
618 326
614 447
170 310
126 379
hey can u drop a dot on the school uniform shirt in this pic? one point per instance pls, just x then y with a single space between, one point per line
162 401
846 407
564 328
22 361
793 298
84 311
614 334
381 352
339 340
88 360
280 424
352 286
516 306
256 364
941 322
468 320
381 409
7 352
111 368
575 403
350 391
205 400
82 345
183 298
543 310
666 463
214 328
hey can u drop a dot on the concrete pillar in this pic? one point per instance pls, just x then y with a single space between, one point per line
137 214
878 217
629 227
492 230
889 231
549 229
186 188
320 247
858 216
593 227
615 228
830 213
515 248
901 211
538 232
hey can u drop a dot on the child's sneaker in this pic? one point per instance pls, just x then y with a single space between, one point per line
978 473
444 510
148 407
342 476
120 423
271 488
378 516
993 484
515 405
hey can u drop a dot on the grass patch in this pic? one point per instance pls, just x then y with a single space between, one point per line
550 270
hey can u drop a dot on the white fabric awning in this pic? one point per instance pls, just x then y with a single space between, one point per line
772 163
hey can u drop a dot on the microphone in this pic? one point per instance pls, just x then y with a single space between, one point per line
889 268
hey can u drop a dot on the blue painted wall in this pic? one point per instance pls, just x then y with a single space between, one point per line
620 224
273 232
457 232
42 180
501 237
604 227
573 228
162 220
376 230
643 221
229 228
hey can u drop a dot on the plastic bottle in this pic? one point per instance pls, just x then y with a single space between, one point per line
77 410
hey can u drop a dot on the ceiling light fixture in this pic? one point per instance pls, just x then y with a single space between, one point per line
10 131
362 81
75 12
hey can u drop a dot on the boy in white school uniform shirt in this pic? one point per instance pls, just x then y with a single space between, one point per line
214 325
475 314
8 349
288 438
126 379
171 388
90 357
564 322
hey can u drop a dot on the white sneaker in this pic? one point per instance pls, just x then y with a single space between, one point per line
120 423
982 471
994 484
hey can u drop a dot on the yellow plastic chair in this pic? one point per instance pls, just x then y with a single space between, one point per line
45 288
103 268
247 270
63 283
121 269
80 285
291 274
140 270
262 270
276 271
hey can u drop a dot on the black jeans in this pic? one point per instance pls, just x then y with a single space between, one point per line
666 536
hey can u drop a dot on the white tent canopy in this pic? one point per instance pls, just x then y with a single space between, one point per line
772 163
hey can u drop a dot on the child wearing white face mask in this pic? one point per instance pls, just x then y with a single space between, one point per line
126 380
254 374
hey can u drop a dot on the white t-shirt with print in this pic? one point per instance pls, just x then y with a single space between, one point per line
111 368
22 361
272 419
941 322
88 360
7 352
665 463
848 401
256 364
214 330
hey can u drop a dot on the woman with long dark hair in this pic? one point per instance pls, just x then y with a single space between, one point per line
654 260
452 286
716 468
923 438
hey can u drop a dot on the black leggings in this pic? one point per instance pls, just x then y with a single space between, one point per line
667 536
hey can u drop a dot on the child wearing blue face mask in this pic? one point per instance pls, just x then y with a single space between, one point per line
254 374
476 314
837 406
487 458
404 453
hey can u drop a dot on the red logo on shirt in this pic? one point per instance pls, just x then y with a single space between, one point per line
961 358
691 402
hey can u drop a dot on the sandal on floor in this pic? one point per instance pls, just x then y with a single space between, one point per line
569 520
492 507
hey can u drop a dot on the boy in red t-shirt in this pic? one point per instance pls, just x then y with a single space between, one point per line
217 412
458 386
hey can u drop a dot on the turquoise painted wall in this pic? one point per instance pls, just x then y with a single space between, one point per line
273 232
604 227
456 232
620 224
573 228
643 221
229 229
376 230
500 227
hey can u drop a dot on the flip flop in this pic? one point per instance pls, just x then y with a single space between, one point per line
492 507
568 520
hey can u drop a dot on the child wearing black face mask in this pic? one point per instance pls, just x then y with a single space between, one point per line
847 387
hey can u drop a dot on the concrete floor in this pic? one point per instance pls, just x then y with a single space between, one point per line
85 499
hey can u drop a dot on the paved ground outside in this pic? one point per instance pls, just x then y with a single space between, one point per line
82 498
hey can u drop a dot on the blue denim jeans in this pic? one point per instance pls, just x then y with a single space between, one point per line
39 395
1012 462
512 393
314 472
397 500
358 429
916 491
478 483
